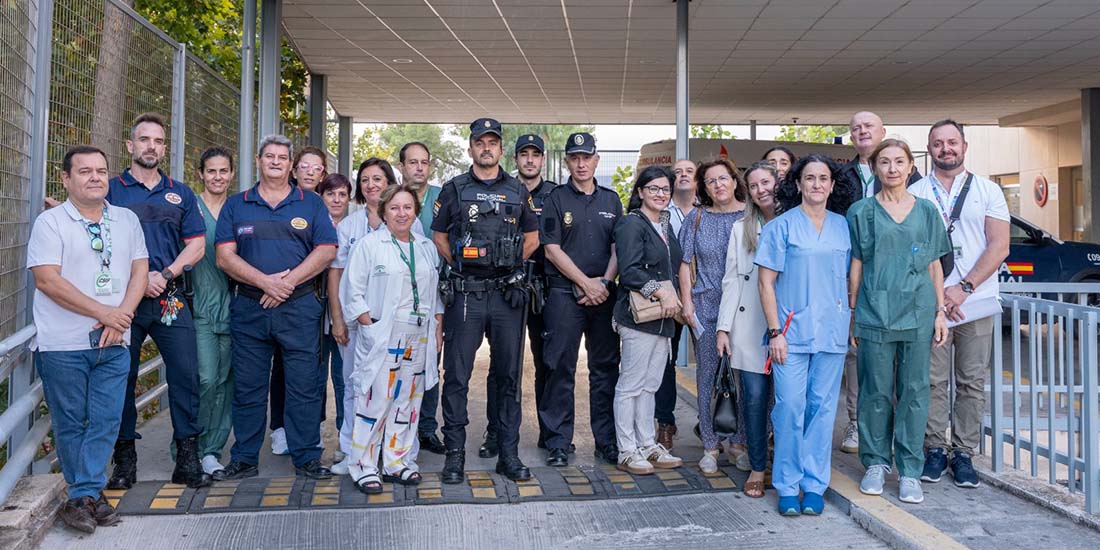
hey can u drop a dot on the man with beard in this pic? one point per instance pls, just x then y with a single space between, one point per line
485 227
980 241
529 155
867 131
175 237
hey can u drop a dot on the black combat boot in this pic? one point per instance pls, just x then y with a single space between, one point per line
453 467
125 472
188 468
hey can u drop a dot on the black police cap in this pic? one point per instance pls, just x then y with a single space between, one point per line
580 142
530 140
484 126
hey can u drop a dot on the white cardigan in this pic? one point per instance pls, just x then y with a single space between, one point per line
370 284
741 313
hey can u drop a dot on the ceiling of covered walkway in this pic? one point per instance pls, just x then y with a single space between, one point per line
613 61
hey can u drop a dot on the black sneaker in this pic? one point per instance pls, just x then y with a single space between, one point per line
935 465
238 470
608 453
963 470
313 470
453 467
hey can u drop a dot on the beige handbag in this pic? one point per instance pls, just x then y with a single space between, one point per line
645 309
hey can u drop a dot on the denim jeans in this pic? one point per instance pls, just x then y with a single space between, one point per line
85 391
756 398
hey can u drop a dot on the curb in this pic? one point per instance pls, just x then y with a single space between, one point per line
1076 515
30 511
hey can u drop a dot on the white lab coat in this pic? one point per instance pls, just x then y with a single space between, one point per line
740 312
372 283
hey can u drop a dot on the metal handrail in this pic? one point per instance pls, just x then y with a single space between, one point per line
17 340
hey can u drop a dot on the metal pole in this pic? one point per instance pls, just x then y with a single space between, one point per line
752 130
246 142
682 79
1090 161
179 121
270 53
318 122
343 148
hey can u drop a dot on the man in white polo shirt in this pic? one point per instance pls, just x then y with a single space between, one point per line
980 239
90 270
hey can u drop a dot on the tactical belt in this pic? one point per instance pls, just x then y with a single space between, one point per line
479 285
255 293
554 281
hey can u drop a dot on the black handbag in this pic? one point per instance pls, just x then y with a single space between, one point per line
725 405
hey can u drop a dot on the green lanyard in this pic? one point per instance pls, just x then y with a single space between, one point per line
867 183
410 261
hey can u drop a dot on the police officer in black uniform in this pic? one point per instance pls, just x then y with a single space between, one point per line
485 228
530 154
577 224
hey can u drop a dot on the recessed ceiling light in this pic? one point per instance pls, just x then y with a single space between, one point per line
402 60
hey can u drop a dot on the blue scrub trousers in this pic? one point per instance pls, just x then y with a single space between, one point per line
806 390
295 329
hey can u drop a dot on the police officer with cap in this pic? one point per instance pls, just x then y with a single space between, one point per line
176 238
485 228
274 240
577 225
530 155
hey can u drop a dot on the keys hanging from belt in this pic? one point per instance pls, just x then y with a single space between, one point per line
170 306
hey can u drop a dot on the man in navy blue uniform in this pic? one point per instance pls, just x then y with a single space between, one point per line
274 240
577 224
175 236
484 229
530 155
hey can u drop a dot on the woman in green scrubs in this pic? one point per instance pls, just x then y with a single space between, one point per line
896 292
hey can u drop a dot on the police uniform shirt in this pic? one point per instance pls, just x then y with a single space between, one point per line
448 212
275 239
582 226
169 214
538 199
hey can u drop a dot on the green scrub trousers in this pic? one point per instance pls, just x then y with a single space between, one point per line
211 309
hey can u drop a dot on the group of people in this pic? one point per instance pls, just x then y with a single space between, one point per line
798 272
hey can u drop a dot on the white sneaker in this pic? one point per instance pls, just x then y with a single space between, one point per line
709 463
338 455
634 463
874 479
340 468
278 443
910 491
851 438
210 464
659 457
739 457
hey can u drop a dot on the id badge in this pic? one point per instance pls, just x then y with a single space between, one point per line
958 253
416 318
104 285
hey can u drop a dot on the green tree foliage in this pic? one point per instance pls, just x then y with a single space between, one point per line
710 131
623 180
811 134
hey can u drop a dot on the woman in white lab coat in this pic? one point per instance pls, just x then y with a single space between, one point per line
390 289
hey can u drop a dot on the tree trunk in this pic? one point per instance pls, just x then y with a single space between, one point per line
109 130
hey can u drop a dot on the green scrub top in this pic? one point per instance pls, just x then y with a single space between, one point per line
211 283
896 300
427 208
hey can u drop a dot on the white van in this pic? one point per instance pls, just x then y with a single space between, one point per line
742 152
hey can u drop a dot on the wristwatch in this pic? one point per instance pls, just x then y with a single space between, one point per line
942 309
773 332
967 286
167 274
604 281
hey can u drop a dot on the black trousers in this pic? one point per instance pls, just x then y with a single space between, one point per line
566 321
535 338
466 322
665 399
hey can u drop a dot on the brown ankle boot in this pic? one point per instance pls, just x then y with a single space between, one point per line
665 434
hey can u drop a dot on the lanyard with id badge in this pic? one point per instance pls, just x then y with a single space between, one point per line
99 235
416 316
947 261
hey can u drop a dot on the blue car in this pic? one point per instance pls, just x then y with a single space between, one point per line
1036 256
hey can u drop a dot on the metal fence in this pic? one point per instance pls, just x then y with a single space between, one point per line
1044 387
73 72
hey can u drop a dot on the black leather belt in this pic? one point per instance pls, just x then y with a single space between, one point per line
255 293
479 285
553 281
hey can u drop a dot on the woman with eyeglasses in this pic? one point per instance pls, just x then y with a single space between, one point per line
309 168
803 256
704 238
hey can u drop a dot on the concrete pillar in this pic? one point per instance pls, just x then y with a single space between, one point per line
682 134
343 147
1090 161
246 142
271 14
318 98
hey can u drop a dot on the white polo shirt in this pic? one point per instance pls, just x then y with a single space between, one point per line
60 238
984 200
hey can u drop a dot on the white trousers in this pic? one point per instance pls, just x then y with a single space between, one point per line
643 366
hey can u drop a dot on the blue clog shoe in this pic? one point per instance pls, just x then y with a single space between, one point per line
812 504
788 506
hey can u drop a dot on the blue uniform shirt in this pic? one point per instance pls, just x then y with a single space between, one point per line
169 214
813 279
275 239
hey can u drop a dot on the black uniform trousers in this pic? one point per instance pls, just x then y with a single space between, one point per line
177 347
470 318
566 321
535 337
665 400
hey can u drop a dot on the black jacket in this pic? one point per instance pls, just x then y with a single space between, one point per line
643 257
852 171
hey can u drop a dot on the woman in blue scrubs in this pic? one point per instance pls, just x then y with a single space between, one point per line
803 257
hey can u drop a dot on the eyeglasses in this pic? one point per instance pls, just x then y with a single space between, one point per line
654 190
95 234
310 168
726 179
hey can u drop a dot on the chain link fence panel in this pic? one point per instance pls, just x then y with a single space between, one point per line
212 115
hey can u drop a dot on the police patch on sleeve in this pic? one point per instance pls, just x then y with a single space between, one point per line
435 208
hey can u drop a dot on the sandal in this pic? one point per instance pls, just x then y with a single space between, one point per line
754 489
404 476
369 484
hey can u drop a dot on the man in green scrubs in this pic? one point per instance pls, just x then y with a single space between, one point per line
211 311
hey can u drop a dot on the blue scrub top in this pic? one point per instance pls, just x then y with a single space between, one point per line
169 214
813 279
275 239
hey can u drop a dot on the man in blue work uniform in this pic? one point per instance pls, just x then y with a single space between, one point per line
485 228
175 236
577 224
530 156
274 240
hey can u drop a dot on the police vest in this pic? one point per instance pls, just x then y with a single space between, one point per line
488 235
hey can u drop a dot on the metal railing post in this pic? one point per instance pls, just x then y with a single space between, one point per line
179 121
996 397
1089 410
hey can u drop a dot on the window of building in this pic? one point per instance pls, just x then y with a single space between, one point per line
1010 186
